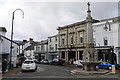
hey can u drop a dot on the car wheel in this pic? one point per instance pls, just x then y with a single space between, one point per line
108 68
22 71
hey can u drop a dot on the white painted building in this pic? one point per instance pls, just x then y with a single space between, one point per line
52 47
41 50
107 33
29 49
5 47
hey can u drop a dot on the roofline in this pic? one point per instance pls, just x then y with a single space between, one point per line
8 39
53 36
118 17
76 24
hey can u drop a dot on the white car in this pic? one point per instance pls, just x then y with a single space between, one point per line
78 63
29 65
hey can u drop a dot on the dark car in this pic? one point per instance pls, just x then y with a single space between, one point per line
57 62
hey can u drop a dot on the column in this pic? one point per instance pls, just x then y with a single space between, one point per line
66 56
60 56
78 55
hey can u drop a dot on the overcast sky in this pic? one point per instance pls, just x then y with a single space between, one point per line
41 19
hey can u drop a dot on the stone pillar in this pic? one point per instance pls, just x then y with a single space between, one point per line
66 56
60 55
90 59
76 55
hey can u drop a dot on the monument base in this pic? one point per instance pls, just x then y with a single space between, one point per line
90 66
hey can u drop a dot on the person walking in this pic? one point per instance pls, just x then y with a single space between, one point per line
17 63
4 66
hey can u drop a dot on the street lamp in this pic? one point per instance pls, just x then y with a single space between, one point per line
12 34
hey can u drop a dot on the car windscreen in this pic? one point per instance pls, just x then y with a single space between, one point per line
28 62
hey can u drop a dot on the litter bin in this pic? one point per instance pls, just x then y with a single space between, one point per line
113 69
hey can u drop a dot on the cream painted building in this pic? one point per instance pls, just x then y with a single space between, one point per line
72 41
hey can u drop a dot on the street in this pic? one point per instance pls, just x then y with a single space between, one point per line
56 72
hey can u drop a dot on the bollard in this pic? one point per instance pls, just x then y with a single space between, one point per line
113 69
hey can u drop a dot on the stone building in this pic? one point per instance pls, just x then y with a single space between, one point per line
72 40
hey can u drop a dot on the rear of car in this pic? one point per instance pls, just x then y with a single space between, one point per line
78 63
29 65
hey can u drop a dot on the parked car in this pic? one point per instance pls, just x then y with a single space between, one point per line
57 62
36 61
78 63
107 65
29 65
44 61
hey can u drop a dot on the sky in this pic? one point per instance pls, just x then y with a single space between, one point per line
43 17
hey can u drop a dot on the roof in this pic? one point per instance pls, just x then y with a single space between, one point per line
43 42
31 47
3 29
76 24
53 36
114 18
7 39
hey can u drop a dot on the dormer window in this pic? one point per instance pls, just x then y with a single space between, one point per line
107 26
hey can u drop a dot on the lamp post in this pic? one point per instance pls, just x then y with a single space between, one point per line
12 35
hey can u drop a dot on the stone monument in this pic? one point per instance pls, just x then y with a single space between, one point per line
90 55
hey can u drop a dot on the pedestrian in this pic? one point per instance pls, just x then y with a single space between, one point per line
17 63
4 66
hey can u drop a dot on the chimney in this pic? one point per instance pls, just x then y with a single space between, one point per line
3 31
24 40
31 40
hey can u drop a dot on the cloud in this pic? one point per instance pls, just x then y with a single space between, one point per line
41 19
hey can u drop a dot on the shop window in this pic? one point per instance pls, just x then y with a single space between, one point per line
63 55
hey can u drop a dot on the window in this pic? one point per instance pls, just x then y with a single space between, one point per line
71 39
63 55
55 38
50 47
105 41
42 47
55 46
63 41
81 38
37 48
50 40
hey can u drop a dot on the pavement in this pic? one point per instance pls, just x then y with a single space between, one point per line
99 72
11 72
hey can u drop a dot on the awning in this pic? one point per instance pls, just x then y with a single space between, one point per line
52 53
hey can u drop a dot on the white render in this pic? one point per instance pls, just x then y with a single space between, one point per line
5 48
53 43
29 53
113 35
41 48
